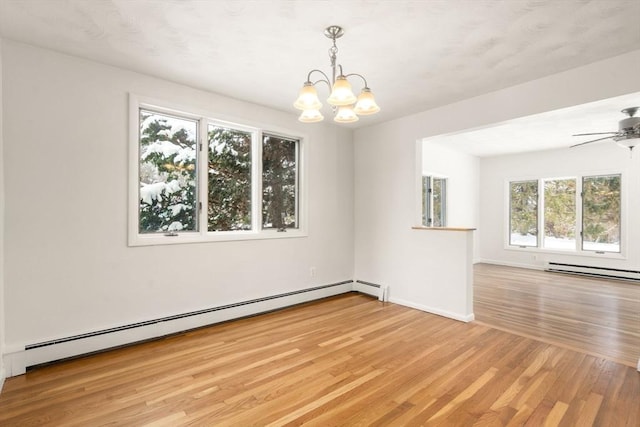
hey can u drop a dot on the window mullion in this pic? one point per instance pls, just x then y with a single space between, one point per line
541 219
256 181
579 202
203 175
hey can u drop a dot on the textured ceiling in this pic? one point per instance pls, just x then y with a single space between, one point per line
416 55
545 131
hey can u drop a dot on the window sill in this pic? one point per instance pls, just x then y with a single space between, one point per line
590 254
223 236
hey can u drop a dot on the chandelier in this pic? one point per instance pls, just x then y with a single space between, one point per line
346 107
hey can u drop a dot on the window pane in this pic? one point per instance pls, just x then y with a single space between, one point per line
426 201
601 213
439 205
167 173
560 214
279 182
229 204
523 215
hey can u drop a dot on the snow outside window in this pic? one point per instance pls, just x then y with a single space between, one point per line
243 183
558 214
523 213
601 213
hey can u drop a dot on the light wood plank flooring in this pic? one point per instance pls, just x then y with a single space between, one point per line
347 360
592 315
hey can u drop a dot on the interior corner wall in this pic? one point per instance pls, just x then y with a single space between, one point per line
385 159
68 269
2 306
603 158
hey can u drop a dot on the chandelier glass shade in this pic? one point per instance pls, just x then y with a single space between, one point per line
345 105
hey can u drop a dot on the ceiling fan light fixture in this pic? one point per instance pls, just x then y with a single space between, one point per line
629 141
628 134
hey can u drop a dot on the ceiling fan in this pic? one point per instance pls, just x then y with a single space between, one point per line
628 134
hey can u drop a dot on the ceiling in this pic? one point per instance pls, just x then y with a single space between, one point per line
416 55
545 131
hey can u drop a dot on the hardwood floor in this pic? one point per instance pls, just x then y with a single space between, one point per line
347 360
591 315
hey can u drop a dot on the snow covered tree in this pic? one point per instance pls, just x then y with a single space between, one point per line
229 202
167 173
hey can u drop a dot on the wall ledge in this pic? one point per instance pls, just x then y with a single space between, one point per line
422 227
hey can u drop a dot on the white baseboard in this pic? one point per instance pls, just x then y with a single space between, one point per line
455 316
509 264
16 360
3 375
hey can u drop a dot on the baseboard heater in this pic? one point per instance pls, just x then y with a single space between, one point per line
591 271
18 360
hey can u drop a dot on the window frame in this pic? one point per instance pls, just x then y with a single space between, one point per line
205 118
538 216
620 214
543 208
427 210
578 251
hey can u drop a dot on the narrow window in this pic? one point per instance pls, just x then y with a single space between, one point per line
434 201
523 213
439 205
601 213
167 173
560 214
279 182
229 179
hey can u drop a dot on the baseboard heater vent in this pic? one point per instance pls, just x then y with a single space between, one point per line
38 353
591 271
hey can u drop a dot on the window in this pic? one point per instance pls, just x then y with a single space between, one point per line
168 170
523 213
229 179
243 183
559 214
557 211
434 201
601 213
279 182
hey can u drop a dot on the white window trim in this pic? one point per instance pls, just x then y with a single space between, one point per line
446 197
202 236
579 252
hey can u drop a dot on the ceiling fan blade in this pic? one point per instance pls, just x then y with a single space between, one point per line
597 133
589 142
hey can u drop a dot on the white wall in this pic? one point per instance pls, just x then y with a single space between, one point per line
604 157
68 269
463 187
385 167
2 328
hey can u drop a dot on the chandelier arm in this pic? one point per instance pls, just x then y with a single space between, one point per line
318 71
359 75
326 78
